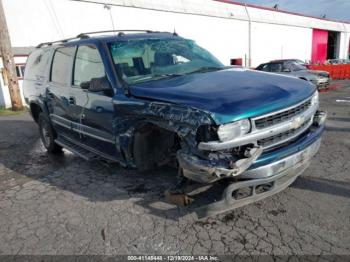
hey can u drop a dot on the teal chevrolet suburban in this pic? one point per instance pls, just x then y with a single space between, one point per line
144 99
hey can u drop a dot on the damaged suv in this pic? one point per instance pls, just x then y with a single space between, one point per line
144 99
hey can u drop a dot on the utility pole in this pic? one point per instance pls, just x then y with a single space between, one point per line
9 63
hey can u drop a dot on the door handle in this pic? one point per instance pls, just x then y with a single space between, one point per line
71 100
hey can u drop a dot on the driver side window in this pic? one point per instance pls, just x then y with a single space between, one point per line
88 65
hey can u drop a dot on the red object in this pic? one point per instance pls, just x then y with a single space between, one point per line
319 46
335 71
236 61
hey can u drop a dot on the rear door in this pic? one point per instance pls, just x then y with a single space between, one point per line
65 104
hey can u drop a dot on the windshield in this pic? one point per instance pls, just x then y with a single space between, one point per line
151 59
300 62
294 66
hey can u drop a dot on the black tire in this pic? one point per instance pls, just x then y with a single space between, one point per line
48 135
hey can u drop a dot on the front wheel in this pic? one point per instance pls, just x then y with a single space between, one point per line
48 135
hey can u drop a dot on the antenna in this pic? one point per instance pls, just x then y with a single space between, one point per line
109 9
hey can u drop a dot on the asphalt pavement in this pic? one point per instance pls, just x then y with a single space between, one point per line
65 205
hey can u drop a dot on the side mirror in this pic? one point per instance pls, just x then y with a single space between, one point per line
286 70
85 85
100 85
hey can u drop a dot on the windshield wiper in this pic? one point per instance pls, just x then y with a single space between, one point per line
168 75
156 77
207 69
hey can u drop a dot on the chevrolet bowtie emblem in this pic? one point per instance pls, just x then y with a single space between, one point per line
297 122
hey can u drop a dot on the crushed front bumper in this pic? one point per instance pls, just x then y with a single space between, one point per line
205 171
264 173
208 171
281 174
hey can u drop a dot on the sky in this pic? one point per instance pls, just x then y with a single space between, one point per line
333 9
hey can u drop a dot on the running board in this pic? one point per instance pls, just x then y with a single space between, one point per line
76 149
86 152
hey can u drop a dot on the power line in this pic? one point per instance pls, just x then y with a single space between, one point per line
53 17
56 18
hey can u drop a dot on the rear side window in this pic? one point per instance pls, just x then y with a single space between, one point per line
37 64
88 65
62 65
277 67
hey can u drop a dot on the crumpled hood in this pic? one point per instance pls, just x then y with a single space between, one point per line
228 95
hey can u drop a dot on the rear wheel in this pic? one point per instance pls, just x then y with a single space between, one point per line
48 135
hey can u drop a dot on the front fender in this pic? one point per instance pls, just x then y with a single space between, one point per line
133 114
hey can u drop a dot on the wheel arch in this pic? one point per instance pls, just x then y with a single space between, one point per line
153 145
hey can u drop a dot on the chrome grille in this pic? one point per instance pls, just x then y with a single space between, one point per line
282 116
273 140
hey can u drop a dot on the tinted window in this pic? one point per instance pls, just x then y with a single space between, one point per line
88 65
293 66
61 65
263 67
276 67
37 63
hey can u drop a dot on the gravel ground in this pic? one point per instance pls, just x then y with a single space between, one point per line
65 205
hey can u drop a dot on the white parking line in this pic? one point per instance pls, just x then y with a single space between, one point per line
342 101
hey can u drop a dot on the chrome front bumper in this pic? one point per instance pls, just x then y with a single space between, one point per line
301 158
262 182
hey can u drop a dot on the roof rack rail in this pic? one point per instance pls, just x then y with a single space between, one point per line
86 35
56 42
115 31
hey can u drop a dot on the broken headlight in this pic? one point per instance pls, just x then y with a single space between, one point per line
206 133
233 130
314 99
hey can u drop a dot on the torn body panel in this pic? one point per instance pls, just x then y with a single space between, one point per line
211 170
136 115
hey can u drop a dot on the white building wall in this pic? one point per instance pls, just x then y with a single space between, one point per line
220 27
224 38
271 41
21 60
344 45
4 91
5 100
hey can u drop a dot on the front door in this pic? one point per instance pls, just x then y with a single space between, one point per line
96 119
